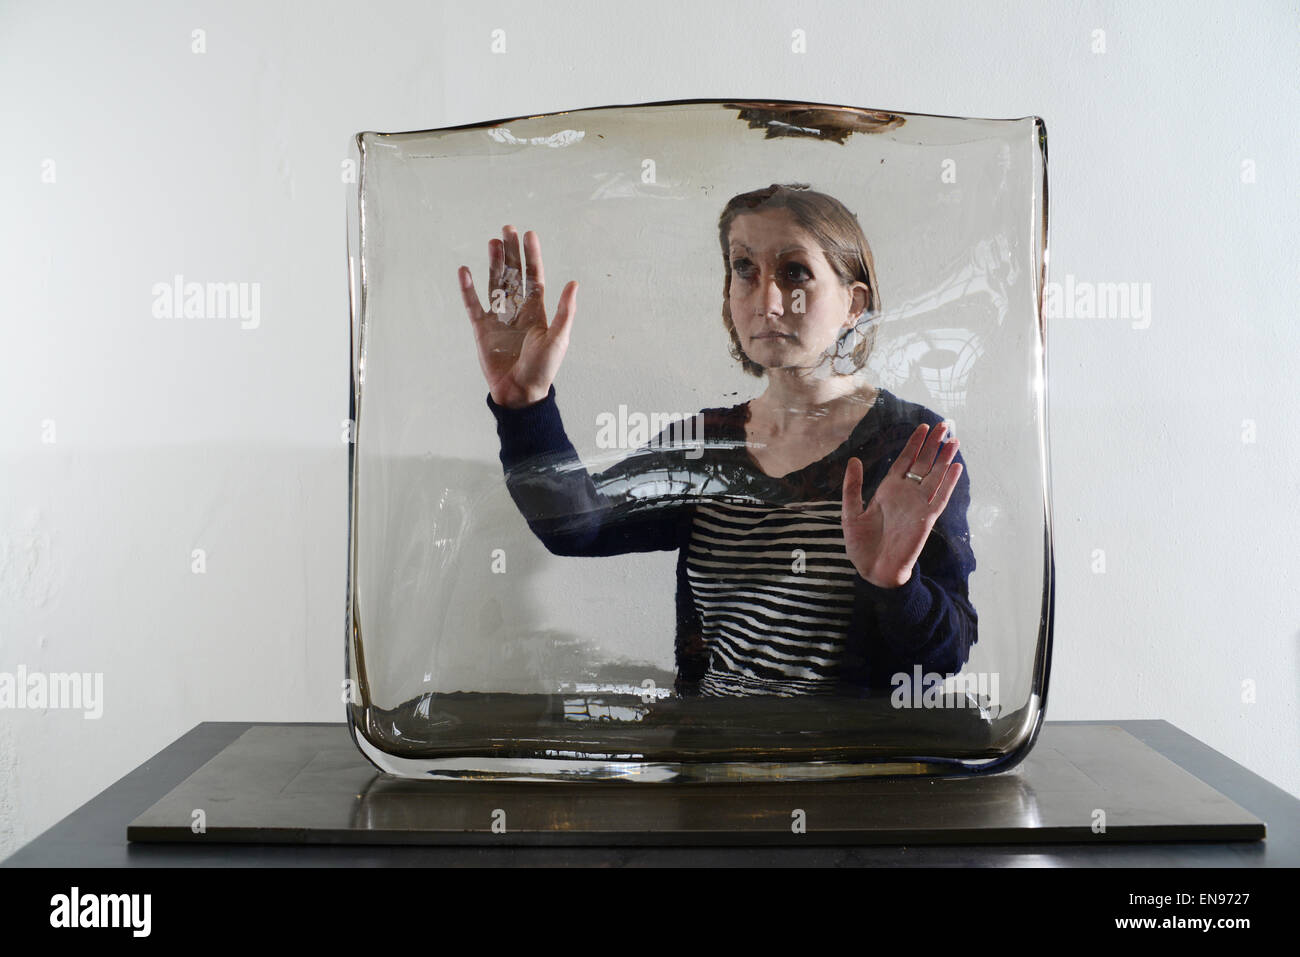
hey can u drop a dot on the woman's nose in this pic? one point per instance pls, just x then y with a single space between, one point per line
773 298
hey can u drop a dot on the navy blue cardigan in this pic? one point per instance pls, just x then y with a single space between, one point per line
646 502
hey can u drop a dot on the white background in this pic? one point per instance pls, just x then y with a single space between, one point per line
1170 451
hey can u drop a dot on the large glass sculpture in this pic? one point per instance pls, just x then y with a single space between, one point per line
699 441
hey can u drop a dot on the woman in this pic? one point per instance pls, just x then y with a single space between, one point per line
840 557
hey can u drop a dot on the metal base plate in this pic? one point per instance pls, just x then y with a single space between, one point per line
310 785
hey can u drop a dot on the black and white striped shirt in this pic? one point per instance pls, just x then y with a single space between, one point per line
773 588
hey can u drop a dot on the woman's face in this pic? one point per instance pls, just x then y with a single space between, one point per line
787 304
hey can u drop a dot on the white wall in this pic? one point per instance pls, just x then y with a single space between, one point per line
1169 443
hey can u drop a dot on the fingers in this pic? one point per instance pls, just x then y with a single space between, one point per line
504 254
506 266
851 503
940 500
564 313
936 470
918 457
511 241
496 264
468 294
907 458
535 276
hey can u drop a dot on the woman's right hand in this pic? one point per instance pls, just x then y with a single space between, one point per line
519 353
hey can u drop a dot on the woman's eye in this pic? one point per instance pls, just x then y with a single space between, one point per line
795 272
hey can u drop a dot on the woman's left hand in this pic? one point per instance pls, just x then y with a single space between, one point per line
885 539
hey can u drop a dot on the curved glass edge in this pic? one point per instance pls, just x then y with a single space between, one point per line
1043 661
355 691
560 770
353 668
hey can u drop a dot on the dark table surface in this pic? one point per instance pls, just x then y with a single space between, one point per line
95 834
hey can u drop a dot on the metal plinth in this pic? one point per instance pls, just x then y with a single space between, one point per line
310 785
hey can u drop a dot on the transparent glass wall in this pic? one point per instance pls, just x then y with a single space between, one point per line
764 496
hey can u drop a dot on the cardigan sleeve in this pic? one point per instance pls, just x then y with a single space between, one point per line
571 511
929 620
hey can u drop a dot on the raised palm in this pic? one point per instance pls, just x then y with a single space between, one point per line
884 539
519 352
